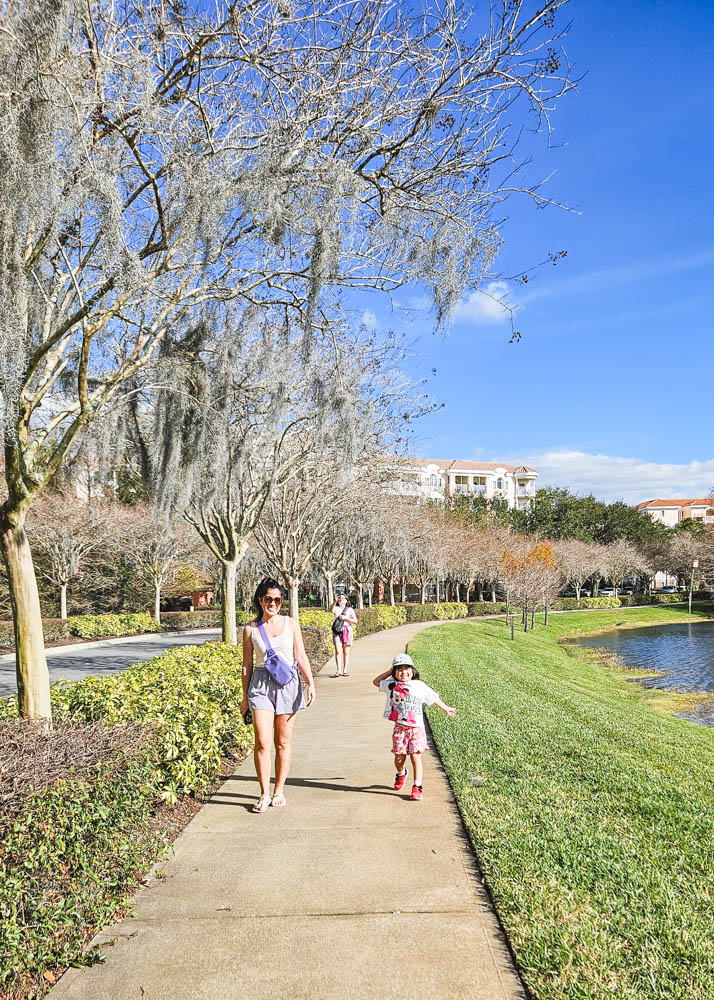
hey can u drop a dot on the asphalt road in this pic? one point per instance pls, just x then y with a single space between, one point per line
75 662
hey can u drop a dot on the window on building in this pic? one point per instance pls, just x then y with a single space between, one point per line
479 484
461 484
500 483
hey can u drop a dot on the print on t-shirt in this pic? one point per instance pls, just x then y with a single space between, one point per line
405 700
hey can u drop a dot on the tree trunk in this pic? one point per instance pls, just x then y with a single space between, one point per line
493 593
423 593
577 592
157 601
229 632
330 593
293 586
525 616
370 590
63 600
33 677
403 584
458 592
360 595
391 590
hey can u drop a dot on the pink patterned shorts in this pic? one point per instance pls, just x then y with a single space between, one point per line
408 739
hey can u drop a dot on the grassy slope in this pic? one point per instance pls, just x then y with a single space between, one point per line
592 814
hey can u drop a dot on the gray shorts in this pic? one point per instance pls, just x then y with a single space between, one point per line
264 693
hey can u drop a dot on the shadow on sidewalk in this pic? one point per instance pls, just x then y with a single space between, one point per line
238 798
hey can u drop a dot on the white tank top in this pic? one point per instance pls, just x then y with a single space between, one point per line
282 643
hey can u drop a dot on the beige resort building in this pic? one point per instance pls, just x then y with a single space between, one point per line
671 512
433 479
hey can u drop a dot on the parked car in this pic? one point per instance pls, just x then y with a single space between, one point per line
626 591
669 590
606 592
570 592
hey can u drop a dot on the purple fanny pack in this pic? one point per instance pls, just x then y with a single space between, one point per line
281 672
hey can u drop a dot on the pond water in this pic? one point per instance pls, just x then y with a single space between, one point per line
685 654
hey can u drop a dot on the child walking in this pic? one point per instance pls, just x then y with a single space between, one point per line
406 695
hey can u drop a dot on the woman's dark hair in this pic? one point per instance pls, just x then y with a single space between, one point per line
266 584
415 672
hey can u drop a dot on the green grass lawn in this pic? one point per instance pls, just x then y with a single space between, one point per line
592 813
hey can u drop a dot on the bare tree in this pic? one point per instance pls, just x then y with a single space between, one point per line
297 515
578 561
66 531
156 157
156 547
619 560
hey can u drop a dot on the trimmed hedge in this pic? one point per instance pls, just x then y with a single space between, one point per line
318 645
477 609
55 630
439 612
572 603
70 852
316 616
380 617
94 626
191 619
192 695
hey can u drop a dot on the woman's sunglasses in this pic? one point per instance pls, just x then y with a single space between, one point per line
273 600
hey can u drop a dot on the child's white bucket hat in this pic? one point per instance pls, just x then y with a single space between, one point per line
402 660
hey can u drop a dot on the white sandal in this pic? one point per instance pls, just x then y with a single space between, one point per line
278 805
262 804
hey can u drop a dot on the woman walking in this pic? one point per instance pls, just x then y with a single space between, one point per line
343 633
273 703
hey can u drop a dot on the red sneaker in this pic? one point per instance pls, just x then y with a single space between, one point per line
417 793
400 779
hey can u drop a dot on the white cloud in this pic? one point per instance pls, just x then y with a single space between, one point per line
491 304
613 478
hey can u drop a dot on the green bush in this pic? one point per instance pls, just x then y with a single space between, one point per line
380 617
191 619
191 694
436 612
572 603
316 616
55 630
318 645
70 849
477 609
93 626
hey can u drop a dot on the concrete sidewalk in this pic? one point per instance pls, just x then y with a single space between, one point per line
350 892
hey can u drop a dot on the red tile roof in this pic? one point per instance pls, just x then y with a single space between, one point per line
698 502
457 465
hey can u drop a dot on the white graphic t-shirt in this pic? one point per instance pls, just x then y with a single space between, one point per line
405 700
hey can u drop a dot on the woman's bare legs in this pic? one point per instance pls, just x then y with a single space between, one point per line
263 728
338 649
345 658
283 754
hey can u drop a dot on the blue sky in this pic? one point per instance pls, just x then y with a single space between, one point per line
609 389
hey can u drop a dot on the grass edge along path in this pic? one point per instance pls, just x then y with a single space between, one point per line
591 813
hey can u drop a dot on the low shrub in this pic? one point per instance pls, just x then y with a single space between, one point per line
191 694
55 630
318 645
380 617
439 612
572 603
477 609
316 616
94 626
191 619
74 836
